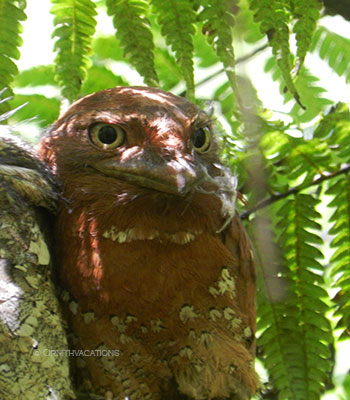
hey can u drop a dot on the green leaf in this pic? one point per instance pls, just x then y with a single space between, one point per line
218 23
334 130
36 76
75 26
107 47
169 72
295 337
310 93
204 52
41 109
99 78
177 19
334 49
274 18
135 35
340 261
245 26
307 13
277 321
10 28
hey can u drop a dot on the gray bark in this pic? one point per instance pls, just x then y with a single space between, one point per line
31 325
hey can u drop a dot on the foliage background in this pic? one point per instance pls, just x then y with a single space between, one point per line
293 165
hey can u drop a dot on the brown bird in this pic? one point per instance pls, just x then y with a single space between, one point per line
158 271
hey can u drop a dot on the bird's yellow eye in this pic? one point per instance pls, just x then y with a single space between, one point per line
106 136
201 139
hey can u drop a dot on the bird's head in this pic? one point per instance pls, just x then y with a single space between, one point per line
142 137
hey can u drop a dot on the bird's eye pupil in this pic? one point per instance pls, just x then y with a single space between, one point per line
199 138
107 134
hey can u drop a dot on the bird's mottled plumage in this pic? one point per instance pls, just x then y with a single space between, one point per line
154 261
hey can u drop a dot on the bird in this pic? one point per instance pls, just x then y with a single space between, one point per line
157 274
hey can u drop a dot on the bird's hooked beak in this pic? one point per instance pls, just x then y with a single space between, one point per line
146 168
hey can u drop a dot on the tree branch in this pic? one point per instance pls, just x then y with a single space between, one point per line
272 199
340 7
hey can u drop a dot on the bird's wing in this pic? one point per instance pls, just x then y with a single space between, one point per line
33 343
237 242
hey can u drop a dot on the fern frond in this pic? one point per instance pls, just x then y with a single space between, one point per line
169 72
274 17
227 103
245 26
276 327
204 52
312 95
334 130
306 85
177 19
307 14
334 49
10 28
225 98
307 159
294 335
75 26
135 35
99 77
107 47
340 261
218 23
302 332
36 76
41 109
294 162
